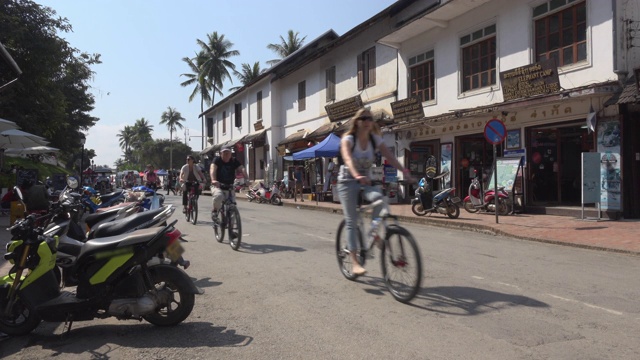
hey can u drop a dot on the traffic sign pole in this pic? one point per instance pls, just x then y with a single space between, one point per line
495 132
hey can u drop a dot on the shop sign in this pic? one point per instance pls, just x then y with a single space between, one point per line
540 78
258 125
344 109
407 109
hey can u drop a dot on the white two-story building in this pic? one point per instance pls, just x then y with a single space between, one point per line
551 71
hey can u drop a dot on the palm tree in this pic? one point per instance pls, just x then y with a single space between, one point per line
142 132
215 69
172 119
197 78
286 47
248 74
126 137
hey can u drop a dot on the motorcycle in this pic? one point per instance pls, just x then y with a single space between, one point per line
253 194
94 201
149 194
476 201
442 202
114 280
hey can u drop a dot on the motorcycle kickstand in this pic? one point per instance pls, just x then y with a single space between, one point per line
66 330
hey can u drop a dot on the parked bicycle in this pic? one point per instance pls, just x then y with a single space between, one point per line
192 202
399 254
229 219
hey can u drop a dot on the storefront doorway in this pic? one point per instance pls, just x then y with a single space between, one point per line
420 151
473 153
554 163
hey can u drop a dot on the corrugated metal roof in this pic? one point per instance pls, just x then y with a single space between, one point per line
629 94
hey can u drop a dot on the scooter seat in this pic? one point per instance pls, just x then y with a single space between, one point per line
107 197
105 243
125 225
92 219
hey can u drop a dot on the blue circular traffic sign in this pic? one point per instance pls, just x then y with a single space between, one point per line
495 131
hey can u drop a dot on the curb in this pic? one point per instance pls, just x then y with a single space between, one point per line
484 229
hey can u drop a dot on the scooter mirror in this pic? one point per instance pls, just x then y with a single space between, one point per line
18 193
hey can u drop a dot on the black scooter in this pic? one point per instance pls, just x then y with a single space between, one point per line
114 280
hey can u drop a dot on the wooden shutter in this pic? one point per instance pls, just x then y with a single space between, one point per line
360 73
238 114
372 66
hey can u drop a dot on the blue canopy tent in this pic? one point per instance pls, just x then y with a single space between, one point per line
329 147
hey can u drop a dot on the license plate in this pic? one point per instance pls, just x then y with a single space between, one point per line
175 251
455 200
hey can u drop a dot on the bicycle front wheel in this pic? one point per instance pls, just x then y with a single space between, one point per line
235 228
187 213
344 255
194 211
218 227
401 264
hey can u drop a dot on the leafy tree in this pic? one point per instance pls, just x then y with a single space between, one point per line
126 137
52 97
217 51
248 74
286 47
172 119
141 132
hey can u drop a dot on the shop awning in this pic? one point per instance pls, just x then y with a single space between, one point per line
232 142
323 130
296 136
254 136
629 94
210 149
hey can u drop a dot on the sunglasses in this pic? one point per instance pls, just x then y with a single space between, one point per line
365 118
189 159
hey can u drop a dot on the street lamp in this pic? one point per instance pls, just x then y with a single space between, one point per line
82 141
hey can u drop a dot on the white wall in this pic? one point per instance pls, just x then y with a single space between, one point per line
514 49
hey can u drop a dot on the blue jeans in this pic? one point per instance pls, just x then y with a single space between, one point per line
348 192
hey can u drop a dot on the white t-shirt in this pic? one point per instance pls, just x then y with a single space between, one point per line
362 159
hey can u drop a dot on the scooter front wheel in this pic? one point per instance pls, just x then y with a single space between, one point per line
276 200
469 206
418 209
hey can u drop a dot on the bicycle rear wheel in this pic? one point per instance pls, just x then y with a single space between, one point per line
235 228
344 255
401 264
194 211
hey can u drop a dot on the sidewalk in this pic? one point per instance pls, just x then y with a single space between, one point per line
620 236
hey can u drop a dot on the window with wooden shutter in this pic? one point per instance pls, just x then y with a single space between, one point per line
238 113
367 68
224 122
302 96
259 103
330 83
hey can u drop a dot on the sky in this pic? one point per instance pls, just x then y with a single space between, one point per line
142 44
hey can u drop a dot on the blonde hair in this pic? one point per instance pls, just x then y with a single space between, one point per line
354 122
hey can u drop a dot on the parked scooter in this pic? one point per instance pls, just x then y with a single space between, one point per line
477 201
442 202
114 280
94 201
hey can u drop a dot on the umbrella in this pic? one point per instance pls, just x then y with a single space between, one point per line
14 138
32 150
7 125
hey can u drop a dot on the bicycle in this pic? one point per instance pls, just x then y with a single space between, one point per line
191 215
229 219
396 244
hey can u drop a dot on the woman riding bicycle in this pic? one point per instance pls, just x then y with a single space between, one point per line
358 147
190 175
223 174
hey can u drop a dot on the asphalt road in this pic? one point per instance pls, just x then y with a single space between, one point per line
282 296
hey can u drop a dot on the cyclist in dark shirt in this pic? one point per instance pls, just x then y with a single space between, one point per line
223 174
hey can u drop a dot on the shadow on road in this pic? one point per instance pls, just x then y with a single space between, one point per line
457 300
267 248
99 341
205 282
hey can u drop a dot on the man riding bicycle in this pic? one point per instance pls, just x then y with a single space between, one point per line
223 174
190 175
